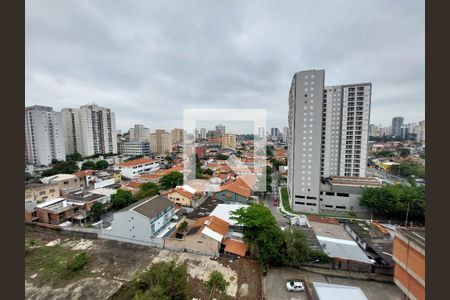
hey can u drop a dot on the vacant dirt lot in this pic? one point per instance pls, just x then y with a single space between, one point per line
112 263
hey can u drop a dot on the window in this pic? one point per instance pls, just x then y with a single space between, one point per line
311 204
342 195
329 193
300 203
312 198
301 197
340 207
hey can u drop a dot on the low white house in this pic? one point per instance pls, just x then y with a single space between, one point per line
134 168
141 222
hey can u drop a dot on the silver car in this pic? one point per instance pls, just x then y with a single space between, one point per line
295 286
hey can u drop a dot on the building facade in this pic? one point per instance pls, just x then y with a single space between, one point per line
133 148
177 135
328 129
90 130
139 134
409 256
44 135
397 123
229 141
133 168
161 142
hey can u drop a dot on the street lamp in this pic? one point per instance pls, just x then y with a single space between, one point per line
311 262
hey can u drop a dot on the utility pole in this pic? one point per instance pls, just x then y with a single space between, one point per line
407 212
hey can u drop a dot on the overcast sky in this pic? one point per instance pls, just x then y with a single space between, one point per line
147 60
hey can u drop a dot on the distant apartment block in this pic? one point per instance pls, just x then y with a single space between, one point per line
89 130
177 135
229 141
160 142
409 256
285 134
139 134
328 128
397 123
133 148
44 135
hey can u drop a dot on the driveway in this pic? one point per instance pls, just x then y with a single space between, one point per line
274 285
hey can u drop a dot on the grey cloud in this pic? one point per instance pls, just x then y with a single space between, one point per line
147 60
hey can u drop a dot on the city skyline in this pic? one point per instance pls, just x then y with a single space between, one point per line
71 59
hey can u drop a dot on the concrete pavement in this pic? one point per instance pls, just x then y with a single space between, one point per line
274 285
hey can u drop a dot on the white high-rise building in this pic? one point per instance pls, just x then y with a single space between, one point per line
285 134
139 133
44 135
203 133
421 132
328 129
90 130
261 133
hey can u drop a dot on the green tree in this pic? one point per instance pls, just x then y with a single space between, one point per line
121 199
168 159
61 167
392 201
101 165
77 263
28 177
407 168
74 157
164 280
298 250
146 190
96 211
220 156
134 157
216 283
88 165
171 180
208 171
384 153
404 152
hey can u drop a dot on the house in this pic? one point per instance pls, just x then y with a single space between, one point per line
134 168
184 195
67 182
142 222
239 190
156 176
41 192
204 236
328 291
132 186
100 178
57 211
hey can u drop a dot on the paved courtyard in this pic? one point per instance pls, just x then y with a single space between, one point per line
274 285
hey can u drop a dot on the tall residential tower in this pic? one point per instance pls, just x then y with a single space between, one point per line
44 135
328 129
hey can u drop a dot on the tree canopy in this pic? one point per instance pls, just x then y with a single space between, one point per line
75 157
101 165
391 201
61 167
121 199
171 180
407 168
220 156
147 189
215 283
163 280
88 165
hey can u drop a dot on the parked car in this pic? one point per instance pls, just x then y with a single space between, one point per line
295 286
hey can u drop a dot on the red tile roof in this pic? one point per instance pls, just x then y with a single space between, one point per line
238 187
216 224
136 162
133 184
183 192
83 173
235 247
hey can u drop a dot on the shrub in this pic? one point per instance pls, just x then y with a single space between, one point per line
77 263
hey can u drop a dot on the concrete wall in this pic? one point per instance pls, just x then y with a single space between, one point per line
196 243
